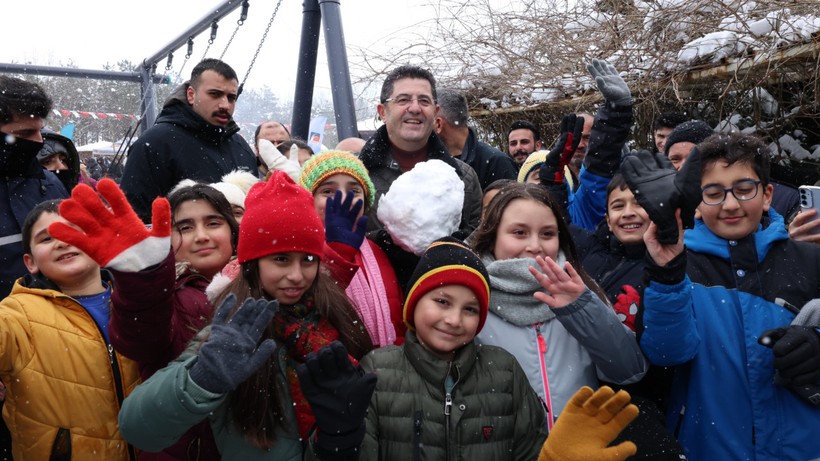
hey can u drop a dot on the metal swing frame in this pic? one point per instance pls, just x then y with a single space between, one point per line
314 14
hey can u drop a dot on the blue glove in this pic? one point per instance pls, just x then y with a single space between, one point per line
610 84
231 355
340 219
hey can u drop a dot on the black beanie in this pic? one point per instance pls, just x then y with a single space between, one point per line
693 131
448 261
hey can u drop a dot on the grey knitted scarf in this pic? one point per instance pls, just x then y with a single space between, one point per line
512 287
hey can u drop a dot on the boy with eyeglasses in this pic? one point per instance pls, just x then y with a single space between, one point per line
723 312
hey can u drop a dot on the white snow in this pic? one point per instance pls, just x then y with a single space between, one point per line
422 205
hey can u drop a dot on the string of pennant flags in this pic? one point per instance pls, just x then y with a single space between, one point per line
107 115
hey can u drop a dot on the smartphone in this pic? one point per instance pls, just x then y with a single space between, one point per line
810 200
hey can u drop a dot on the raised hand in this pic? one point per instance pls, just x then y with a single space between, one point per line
588 424
563 286
274 159
660 252
114 237
339 394
231 355
552 171
341 223
661 190
610 83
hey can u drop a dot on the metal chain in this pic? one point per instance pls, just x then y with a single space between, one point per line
238 25
261 42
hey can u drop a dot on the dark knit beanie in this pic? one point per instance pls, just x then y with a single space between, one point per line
279 218
447 261
693 131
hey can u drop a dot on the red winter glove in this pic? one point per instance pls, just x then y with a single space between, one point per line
552 171
627 305
114 237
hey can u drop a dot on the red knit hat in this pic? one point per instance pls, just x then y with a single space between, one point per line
447 261
279 218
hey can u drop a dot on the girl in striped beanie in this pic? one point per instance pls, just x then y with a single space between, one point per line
343 194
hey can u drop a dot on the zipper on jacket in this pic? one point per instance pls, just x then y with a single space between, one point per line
542 349
449 384
115 369
417 436
680 421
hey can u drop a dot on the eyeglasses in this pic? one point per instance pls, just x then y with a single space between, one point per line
404 100
742 190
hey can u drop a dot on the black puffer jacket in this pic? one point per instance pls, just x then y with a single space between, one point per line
182 145
383 171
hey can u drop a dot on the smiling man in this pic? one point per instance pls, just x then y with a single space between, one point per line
195 138
408 109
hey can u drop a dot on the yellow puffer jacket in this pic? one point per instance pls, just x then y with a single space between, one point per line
64 382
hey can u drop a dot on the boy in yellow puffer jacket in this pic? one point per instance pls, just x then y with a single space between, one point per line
64 381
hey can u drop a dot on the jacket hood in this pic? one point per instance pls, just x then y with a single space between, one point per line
771 230
177 111
54 143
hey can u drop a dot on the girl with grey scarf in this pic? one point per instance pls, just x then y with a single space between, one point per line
544 308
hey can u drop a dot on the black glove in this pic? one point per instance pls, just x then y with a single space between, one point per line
661 190
231 355
610 84
339 395
796 353
552 171
340 219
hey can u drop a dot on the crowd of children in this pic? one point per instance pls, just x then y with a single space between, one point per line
258 320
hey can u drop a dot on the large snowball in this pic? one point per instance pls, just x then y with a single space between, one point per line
422 205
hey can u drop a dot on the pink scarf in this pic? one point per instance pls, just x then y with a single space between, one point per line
370 299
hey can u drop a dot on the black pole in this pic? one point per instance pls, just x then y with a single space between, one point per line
340 85
306 69
29 69
148 105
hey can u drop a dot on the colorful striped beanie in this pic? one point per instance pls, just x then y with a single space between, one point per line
325 164
448 261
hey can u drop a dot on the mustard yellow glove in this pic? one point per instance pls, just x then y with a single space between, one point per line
588 424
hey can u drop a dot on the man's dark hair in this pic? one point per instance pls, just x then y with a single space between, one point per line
406 71
525 125
669 120
736 148
19 97
49 206
215 65
453 107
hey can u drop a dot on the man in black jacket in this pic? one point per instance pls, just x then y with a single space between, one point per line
408 108
195 138
489 163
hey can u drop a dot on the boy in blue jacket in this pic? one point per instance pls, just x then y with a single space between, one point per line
709 310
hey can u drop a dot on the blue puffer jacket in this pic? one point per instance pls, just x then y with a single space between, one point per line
724 402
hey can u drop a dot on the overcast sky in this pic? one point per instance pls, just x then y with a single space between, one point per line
94 32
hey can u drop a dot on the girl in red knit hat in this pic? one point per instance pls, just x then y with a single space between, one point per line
240 373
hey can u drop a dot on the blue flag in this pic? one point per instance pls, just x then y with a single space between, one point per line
68 131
